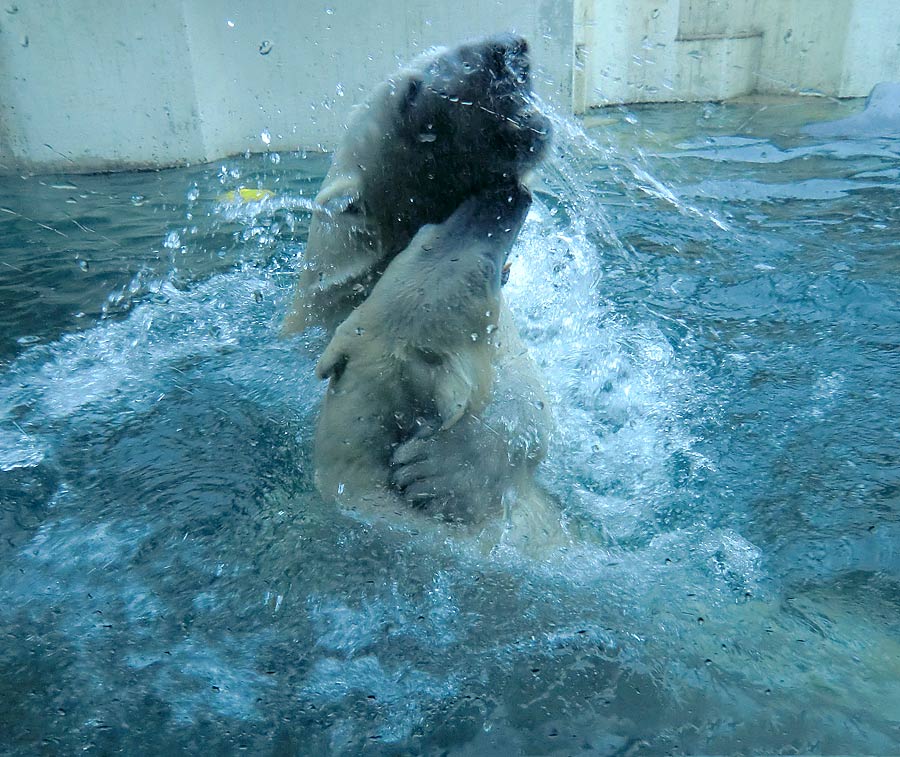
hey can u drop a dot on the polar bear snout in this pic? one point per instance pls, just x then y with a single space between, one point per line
498 211
508 53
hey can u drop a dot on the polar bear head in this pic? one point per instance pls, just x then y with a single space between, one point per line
474 101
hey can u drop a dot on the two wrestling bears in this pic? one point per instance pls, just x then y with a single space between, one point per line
433 400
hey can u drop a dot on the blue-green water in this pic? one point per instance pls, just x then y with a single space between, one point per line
715 301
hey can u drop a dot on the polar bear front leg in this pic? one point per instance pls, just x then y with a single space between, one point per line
464 471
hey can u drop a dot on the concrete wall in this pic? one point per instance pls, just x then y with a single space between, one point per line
92 85
674 50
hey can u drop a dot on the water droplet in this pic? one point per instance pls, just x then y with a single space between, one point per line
340 90
230 24
265 47
329 11
173 241
265 136
275 158
340 488
655 13
360 331
24 340
137 200
474 337
428 137
193 194
84 265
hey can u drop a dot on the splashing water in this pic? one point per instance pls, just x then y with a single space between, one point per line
723 364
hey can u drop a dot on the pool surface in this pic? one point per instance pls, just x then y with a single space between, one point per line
714 298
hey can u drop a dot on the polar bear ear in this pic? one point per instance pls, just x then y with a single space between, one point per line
333 360
340 195
410 92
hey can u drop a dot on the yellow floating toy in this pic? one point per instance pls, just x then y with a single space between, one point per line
245 194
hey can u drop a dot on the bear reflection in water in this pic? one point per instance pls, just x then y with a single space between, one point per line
433 399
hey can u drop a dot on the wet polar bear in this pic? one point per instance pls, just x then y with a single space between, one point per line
417 355
453 124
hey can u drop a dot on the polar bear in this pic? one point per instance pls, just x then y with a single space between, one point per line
418 354
453 123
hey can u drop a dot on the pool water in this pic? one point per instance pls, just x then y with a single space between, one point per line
714 299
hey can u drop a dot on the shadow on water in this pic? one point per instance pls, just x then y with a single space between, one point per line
713 297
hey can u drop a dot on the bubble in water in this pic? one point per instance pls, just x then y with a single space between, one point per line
84 265
655 353
275 158
137 200
340 90
329 11
193 193
230 24
173 241
428 137
265 47
265 136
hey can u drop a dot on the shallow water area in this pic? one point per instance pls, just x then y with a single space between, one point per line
713 297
